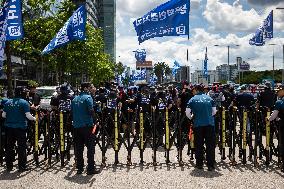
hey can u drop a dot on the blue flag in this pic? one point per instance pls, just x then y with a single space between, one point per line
140 55
175 68
268 26
258 39
265 31
153 79
205 70
168 19
73 29
11 25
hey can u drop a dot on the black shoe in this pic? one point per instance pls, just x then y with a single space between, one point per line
23 169
9 169
198 166
79 171
211 168
93 172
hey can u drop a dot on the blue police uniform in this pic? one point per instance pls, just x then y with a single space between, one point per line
82 109
16 109
16 125
279 105
201 106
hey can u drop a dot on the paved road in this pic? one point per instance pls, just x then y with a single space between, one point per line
147 176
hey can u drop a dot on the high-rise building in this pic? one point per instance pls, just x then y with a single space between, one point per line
102 14
197 77
183 74
224 69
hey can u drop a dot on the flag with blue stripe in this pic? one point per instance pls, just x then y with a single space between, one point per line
175 68
168 19
73 29
11 25
205 69
140 55
265 31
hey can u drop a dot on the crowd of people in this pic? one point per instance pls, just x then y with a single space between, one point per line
197 102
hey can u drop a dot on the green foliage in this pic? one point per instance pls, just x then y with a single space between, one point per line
32 83
119 68
257 77
160 69
42 20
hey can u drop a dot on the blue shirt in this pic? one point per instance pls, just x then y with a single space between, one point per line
201 106
16 110
82 108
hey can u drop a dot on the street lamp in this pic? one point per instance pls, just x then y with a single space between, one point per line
281 8
273 60
229 73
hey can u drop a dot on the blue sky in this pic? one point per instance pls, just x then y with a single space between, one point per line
222 22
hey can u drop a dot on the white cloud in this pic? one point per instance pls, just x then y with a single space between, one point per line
221 16
233 18
265 2
225 17
171 49
137 8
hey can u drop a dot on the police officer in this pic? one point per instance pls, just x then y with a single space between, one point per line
62 101
244 99
279 113
203 109
83 122
16 111
267 98
34 98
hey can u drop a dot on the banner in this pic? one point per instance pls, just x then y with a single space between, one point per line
168 19
140 55
11 25
73 29
205 70
265 31
153 80
175 68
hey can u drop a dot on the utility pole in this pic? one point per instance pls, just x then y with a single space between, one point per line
229 77
283 68
9 70
273 61
273 66
282 8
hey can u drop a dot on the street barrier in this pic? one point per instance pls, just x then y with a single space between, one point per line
240 128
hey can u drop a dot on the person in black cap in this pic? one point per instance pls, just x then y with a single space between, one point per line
62 102
278 114
267 98
34 98
84 123
201 109
17 111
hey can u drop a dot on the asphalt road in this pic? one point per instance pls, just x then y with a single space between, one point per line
146 176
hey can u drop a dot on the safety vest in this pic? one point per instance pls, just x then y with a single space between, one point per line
65 105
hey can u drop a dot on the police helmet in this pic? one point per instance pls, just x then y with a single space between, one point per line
21 92
112 95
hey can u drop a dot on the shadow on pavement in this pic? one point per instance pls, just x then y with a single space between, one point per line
204 173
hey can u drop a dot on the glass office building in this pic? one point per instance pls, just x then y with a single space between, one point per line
102 14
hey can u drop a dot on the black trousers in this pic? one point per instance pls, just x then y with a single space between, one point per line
281 139
205 134
84 137
13 136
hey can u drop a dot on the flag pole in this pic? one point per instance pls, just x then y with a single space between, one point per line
187 58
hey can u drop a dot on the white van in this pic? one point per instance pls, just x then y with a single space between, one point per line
46 92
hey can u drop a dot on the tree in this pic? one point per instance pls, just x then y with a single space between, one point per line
43 19
161 69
